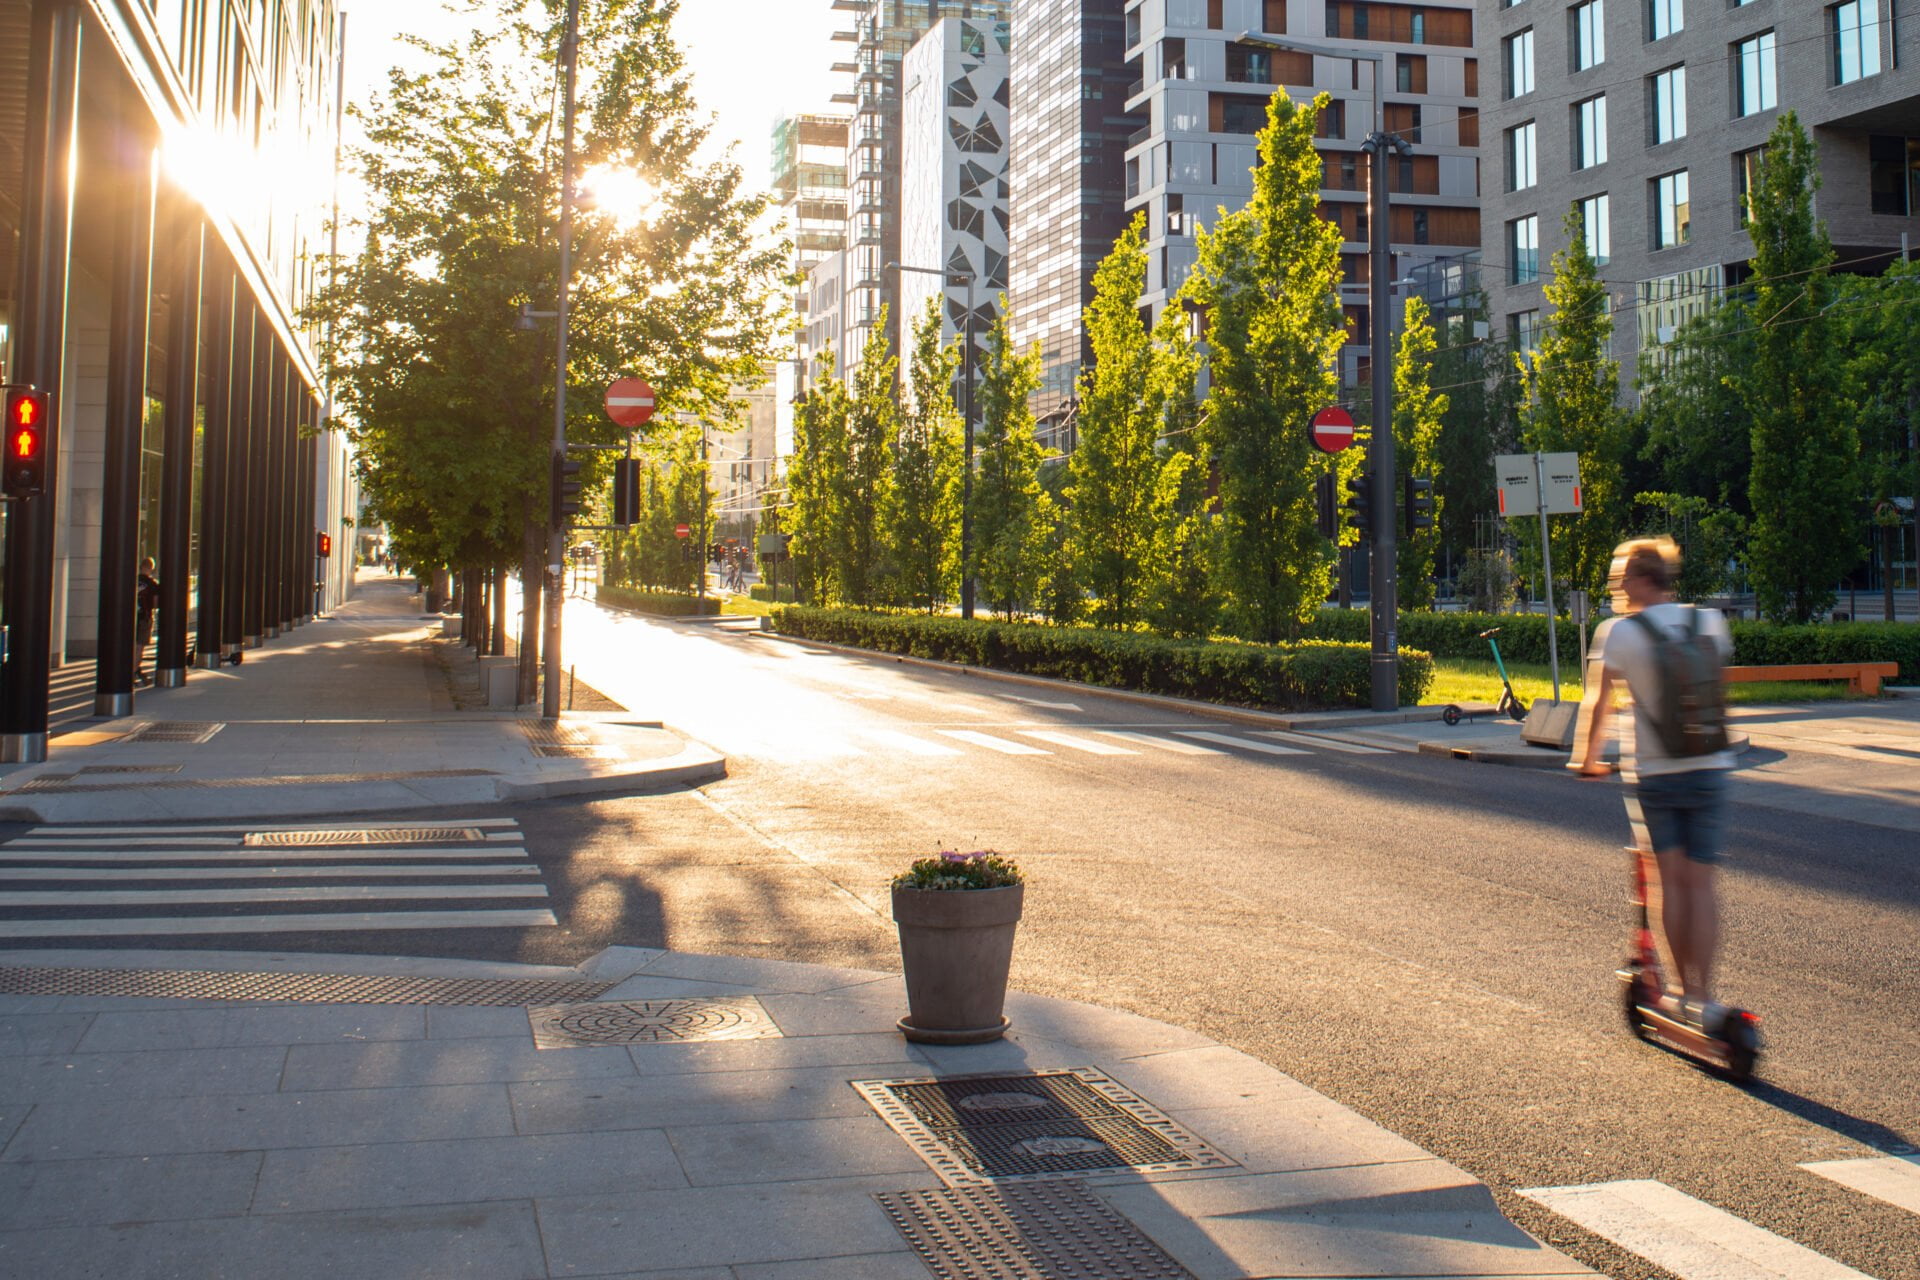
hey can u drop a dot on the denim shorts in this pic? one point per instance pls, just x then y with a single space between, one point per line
1683 811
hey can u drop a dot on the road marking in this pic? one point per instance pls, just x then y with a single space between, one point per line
991 743
1688 1237
1245 744
1330 744
243 828
1894 1179
908 743
322 922
267 893
1164 744
31 853
1087 745
247 873
1036 702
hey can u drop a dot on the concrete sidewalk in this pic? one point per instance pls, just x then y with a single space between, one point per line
351 713
673 1116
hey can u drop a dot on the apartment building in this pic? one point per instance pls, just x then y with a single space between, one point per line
810 187
1648 115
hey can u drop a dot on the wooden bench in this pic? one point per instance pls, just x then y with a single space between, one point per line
1861 677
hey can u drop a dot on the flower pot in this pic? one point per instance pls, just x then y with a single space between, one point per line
956 945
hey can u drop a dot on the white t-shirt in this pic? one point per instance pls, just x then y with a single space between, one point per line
1627 650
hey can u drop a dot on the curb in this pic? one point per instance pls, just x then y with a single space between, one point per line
690 767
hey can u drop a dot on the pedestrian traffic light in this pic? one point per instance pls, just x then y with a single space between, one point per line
626 491
25 467
326 545
1417 498
1326 506
566 489
1360 503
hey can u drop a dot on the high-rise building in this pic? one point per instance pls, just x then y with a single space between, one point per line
810 185
1067 197
953 171
883 32
1203 71
1648 115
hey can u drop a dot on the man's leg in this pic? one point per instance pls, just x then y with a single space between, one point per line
1690 918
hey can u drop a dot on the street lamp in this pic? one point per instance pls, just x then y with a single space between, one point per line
966 418
1384 664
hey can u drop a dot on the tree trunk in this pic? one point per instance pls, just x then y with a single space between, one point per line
498 631
532 574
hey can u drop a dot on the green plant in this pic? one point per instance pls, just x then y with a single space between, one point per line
767 592
671 604
950 869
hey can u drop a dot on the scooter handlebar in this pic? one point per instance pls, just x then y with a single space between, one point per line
1490 631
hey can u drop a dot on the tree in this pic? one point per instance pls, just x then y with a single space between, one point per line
1571 388
872 417
1266 279
1698 429
1417 413
1880 325
816 478
923 502
1011 516
1479 423
1802 485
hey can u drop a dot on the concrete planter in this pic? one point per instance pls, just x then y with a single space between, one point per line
956 946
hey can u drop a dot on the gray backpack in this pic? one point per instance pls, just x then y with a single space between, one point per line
1693 691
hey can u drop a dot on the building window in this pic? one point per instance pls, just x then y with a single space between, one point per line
1333 120
1523 333
1243 115
1596 225
1664 17
1418 26
1856 40
1894 165
1589 34
1746 173
1523 249
1523 157
1421 234
1667 110
1755 88
1519 61
1672 216
1590 132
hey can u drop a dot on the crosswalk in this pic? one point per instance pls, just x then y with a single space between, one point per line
173 881
791 745
1694 1240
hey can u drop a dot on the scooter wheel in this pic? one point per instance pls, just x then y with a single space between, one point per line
1517 709
1743 1047
1451 715
1631 1007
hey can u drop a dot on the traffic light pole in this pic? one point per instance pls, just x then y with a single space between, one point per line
1383 603
557 532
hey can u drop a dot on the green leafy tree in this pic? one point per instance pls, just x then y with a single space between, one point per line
1881 326
1699 433
872 421
1571 389
1179 567
1012 517
1417 413
1267 278
1479 423
816 479
923 502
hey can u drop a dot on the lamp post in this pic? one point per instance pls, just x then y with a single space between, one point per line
966 418
1383 582
556 533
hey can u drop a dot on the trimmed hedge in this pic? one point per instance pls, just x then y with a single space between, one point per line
763 592
1523 638
1309 675
671 604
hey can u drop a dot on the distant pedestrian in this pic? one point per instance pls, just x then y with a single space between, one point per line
146 599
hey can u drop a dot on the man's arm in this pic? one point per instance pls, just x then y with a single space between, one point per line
1593 729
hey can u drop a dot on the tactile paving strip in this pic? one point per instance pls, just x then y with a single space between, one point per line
305 988
555 733
383 836
574 1026
1034 1126
1046 1231
173 731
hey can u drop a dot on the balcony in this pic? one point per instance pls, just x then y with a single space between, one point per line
1139 136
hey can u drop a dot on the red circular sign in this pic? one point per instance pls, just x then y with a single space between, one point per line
1332 429
629 401
681 530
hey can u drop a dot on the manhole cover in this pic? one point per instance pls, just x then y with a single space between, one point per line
173 731
1045 1231
361 835
572 1026
1047 1124
306 988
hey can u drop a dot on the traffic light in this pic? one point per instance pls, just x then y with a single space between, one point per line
626 491
326 544
1417 498
1326 506
566 489
1360 503
25 467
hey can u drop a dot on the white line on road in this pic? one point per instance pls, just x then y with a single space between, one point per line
908 743
1003 745
1164 744
1330 744
1087 745
30 853
270 893
1894 1179
1688 1237
248 873
1036 702
320 922
1244 744
243 828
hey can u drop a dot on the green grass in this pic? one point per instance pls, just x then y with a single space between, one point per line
1471 680
743 607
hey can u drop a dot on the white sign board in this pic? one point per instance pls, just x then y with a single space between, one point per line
1515 477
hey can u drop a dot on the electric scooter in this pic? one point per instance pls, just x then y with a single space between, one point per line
1728 1043
1510 703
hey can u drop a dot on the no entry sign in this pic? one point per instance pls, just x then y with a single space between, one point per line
1332 429
629 401
682 530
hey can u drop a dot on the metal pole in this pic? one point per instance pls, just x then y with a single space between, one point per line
966 467
176 459
1384 661
706 538
557 534
1546 566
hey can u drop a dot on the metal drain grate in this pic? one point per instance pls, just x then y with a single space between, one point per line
192 731
360 835
573 1026
1044 1124
577 752
306 988
129 768
555 733
1047 1231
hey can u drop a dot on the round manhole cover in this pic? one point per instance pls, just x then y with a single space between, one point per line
650 1022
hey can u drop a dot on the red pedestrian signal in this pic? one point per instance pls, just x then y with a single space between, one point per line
25 468
326 544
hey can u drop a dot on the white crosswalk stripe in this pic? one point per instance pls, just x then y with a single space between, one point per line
1077 743
908 743
75 882
1894 1179
1329 744
1688 1237
1164 744
1243 744
1005 746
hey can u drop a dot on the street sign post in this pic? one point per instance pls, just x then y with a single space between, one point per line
1332 429
629 401
1542 485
